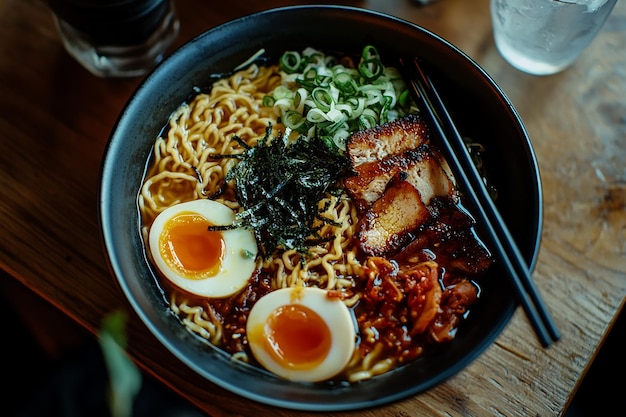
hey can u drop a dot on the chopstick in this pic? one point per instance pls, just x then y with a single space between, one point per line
500 239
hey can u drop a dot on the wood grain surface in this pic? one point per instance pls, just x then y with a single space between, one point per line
55 118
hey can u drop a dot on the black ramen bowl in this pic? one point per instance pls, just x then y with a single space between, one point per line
476 103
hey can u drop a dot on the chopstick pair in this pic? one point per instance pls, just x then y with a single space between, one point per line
498 235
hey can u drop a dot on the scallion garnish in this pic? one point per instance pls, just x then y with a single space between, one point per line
335 100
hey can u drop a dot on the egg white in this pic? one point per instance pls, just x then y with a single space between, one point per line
333 312
238 263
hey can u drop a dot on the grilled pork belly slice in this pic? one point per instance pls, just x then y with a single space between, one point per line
387 225
393 138
423 170
372 178
381 155
429 177
450 237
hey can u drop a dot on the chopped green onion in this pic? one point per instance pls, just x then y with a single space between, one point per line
268 101
293 119
404 98
316 116
308 79
283 104
322 98
282 92
290 62
299 99
340 137
345 83
336 116
383 118
323 81
373 96
368 119
369 52
333 100
371 69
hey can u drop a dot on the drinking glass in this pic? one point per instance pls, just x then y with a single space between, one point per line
543 37
116 38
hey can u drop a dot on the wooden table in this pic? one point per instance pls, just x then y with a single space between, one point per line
55 118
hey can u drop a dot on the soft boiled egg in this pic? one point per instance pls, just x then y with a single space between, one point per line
301 334
207 263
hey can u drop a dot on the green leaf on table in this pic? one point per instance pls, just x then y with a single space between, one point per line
124 376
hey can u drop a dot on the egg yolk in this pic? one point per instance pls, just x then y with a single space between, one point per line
297 336
191 249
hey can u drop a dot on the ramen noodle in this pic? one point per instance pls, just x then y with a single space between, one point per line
379 291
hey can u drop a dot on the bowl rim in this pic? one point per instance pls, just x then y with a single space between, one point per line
119 271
